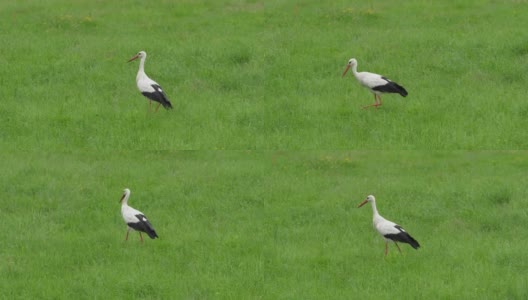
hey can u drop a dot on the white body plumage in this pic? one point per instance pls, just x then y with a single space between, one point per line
135 219
389 230
376 83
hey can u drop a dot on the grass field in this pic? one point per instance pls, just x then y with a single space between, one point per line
262 225
265 206
264 75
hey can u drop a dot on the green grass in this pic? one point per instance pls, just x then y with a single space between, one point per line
277 217
263 75
264 225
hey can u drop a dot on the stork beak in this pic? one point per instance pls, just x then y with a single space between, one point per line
135 57
363 203
346 70
122 197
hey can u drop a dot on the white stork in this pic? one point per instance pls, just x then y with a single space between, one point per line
377 84
135 219
148 87
389 231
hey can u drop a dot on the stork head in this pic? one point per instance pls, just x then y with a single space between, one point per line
126 194
140 54
351 63
370 198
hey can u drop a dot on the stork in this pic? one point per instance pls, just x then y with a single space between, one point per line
135 219
148 87
376 83
390 231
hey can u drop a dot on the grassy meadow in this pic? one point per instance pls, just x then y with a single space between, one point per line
263 75
253 180
262 225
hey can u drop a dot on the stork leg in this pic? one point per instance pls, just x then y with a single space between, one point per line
386 248
150 105
157 107
126 238
379 98
376 104
398 247
140 237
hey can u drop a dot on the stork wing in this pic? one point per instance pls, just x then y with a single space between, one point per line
388 227
129 214
145 226
371 80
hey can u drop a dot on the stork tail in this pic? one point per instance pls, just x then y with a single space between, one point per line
400 89
151 233
413 242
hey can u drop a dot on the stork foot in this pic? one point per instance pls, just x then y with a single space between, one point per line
375 105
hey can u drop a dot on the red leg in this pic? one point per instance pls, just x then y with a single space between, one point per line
375 102
398 247
378 100
157 107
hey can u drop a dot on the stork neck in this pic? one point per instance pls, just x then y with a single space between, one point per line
355 72
142 65
374 209
124 202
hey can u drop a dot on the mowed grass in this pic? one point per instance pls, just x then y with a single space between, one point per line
263 74
263 225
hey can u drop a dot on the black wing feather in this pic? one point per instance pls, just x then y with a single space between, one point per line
403 237
144 226
159 96
391 87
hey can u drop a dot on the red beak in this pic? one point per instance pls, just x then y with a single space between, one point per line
346 70
135 57
363 203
